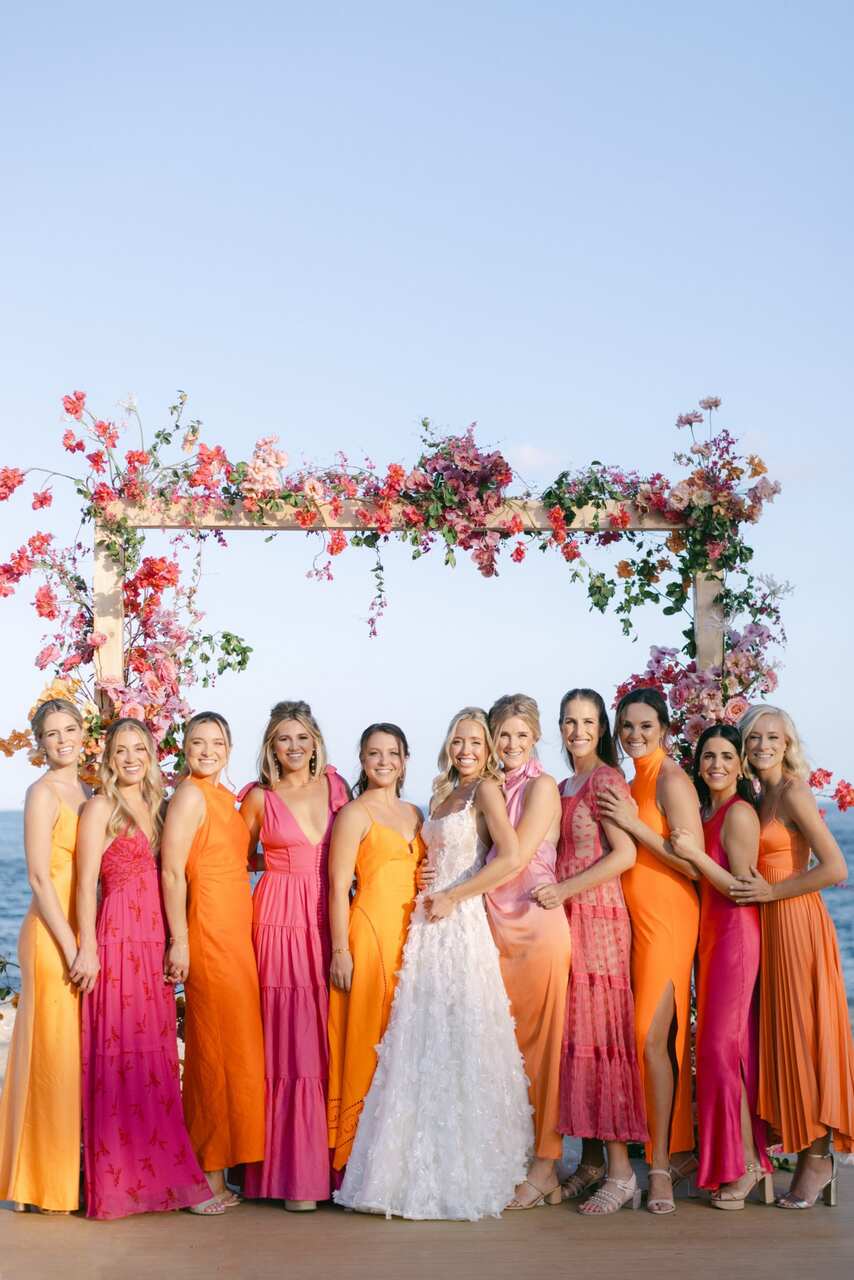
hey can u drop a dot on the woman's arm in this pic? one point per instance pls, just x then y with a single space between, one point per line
351 825
622 855
41 810
802 811
540 816
184 816
740 839
252 812
489 801
91 842
681 809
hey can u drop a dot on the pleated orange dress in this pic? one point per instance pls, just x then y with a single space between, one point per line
379 920
224 1045
40 1108
665 915
806 1054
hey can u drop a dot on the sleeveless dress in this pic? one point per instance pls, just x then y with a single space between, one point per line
600 1085
224 1059
727 1022
446 1129
137 1152
290 934
40 1108
806 1055
535 950
379 918
665 914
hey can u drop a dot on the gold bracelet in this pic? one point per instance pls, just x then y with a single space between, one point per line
179 937
336 951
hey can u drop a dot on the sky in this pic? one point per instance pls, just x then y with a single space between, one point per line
566 222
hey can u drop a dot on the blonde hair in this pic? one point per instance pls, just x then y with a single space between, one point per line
516 704
795 762
48 708
448 778
152 786
269 770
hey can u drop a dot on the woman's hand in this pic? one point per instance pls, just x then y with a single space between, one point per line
425 875
439 906
617 807
177 965
752 888
84 968
550 896
341 970
682 842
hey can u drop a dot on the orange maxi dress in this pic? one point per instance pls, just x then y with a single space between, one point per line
224 1058
806 1054
665 914
40 1108
379 920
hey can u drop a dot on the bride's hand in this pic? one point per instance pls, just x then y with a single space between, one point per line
439 906
425 875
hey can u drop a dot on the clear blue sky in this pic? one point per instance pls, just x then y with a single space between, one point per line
324 221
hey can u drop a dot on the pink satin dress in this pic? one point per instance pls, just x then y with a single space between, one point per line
534 950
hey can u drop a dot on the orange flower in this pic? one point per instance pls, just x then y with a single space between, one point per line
757 466
675 542
625 570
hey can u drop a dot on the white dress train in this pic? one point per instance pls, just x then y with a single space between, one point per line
446 1129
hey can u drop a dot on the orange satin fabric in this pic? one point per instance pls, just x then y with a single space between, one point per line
224 1062
806 1055
665 914
40 1109
379 919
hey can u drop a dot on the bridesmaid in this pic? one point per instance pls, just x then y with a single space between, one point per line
378 837
137 1153
601 1099
733 1140
40 1107
291 810
665 916
533 945
204 849
806 1055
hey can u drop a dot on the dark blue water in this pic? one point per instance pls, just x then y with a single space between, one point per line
15 892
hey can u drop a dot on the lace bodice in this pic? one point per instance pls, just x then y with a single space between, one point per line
454 847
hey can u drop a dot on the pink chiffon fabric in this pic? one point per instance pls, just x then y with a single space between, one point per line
600 1087
290 933
137 1153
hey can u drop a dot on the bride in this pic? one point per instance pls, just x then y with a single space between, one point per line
446 1129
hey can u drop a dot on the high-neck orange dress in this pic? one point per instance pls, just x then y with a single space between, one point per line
665 914
40 1109
379 920
224 1065
806 1054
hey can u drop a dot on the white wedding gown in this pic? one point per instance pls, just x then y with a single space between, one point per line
446 1129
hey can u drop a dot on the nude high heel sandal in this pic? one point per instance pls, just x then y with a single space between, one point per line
661 1204
828 1193
726 1199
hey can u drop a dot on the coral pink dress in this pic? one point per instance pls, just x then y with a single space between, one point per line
534 949
137 1152
600 1086
727 1022
290 933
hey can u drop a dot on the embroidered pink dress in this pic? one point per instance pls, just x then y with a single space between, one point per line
137 1154
600 1087
290 933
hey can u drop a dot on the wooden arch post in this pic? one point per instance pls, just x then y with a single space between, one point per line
108 575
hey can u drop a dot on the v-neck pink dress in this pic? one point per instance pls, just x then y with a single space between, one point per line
290 933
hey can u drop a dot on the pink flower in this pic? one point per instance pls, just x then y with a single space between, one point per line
50 653
692 419
735 709
42 499
680 496
518 553
844 796
714 550
71 443
10 479
106 433
95 639
313 489
46 603
74 404
337 542
820 778
710 402
694 726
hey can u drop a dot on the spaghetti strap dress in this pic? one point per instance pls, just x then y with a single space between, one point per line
665 914
40 1108
727 1022
224 1062
806 1055
290 934
379 919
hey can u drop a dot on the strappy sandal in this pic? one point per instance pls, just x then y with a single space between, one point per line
211 1208
828 1192
582 1178
726 1198
605 1201
682 1172
229 1199
554 1196
661 1204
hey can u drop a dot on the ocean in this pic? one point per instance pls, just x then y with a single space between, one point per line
15 892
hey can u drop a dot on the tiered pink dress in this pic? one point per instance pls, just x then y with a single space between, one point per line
290 933
137 1153
727 1022
600 1086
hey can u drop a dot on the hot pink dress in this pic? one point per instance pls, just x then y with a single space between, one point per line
136 1150
600 1087
290 933
727 1022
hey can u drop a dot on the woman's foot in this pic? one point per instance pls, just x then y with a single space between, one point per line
611 1196
815 1174
659 1196
540 1187
583 1178
209 1208
732 1195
